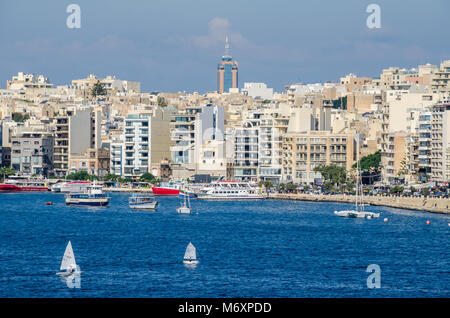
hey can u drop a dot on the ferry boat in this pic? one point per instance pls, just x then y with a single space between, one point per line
230 190
92 196
169 188
23 183
142 202
71 186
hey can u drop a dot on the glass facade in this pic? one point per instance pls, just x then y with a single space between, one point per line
227 78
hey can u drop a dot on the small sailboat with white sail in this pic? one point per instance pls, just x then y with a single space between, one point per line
190 256
68 264
358 212
185 205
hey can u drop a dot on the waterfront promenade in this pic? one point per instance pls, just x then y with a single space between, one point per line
436 205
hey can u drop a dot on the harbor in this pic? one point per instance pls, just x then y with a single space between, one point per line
260 248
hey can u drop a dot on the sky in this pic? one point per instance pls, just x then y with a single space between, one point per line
175 45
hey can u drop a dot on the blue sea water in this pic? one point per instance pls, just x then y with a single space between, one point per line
264 248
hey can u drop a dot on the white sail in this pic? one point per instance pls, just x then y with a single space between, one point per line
68 260
190 253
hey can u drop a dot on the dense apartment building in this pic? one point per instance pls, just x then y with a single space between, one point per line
144 144
304 151
77 133
441 78
25 81
32 152
198 134
440 140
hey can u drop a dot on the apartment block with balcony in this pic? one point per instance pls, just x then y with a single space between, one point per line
75 132
440 140
305 151
32 152
440 81
143 145
198 138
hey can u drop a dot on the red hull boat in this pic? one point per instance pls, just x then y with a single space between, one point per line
23 184
12 187
165 191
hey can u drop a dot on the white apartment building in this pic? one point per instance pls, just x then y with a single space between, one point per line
22 81
199 142
257 91
144 143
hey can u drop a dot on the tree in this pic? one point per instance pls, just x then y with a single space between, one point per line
333 175
266 184
19 117
98 90
6 172
396 190
370 162
147 177
111 177
79 175
162 101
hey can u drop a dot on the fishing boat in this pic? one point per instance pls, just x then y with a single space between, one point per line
185 205
92 196
23 183
190 256
358 212
71 186
142 202
230 190
68 264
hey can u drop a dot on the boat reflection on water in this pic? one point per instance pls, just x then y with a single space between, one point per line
72 281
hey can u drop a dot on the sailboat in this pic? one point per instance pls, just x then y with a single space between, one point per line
358 212
68 264
185 205
190 256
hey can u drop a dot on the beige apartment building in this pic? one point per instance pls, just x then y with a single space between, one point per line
302 152
94 161
75 133
441 79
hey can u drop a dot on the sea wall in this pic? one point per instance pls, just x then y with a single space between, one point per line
437 205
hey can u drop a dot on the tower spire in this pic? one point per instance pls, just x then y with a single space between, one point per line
227 47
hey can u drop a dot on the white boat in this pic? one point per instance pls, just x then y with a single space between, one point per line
92 196
142 202
190 256
71 186
185 206
358 212
230 190
68 264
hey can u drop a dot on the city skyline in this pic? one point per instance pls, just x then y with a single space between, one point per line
296 45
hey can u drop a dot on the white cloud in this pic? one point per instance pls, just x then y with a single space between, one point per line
218 29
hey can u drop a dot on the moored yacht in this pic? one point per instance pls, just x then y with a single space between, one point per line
358 212
230 190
